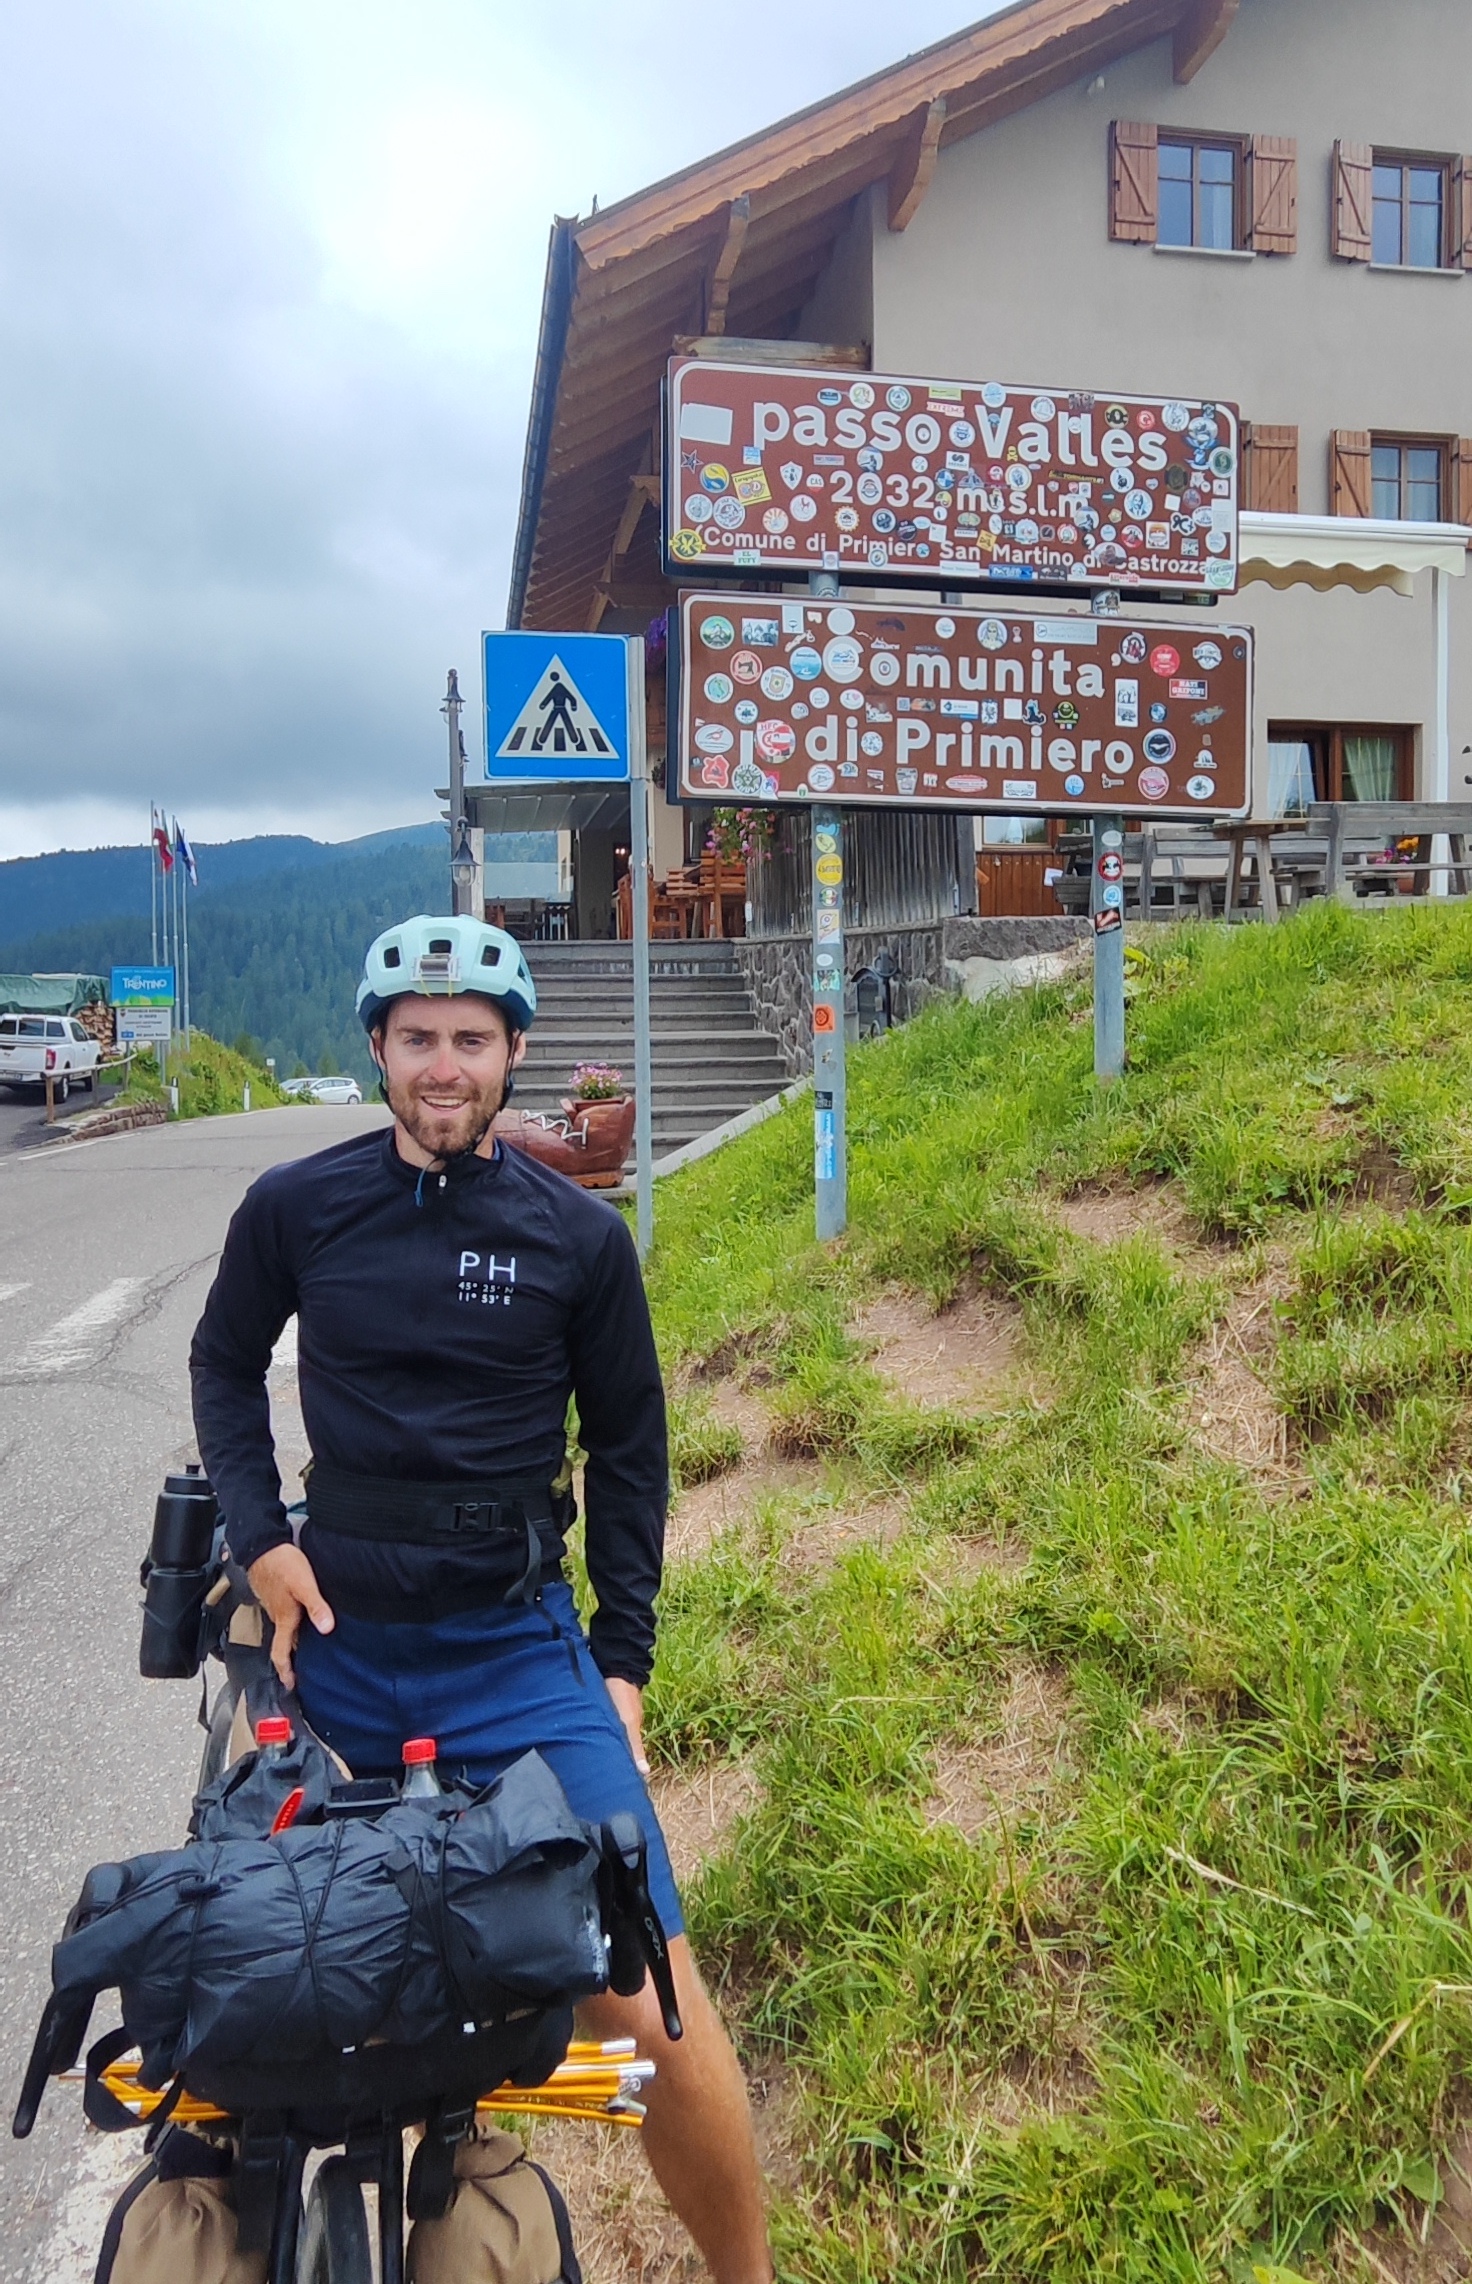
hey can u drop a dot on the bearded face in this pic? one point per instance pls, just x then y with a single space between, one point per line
446 1067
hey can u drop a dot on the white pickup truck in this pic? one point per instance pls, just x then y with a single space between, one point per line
33 1047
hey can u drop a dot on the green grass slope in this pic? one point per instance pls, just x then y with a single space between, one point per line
1182 1607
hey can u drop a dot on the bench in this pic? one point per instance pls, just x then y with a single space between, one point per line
1358 834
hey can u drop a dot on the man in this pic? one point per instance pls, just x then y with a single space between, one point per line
451 1295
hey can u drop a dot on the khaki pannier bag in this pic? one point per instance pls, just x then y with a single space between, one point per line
507 2225
176 2232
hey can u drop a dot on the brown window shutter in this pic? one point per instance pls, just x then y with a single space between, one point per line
1459 253
1349 206
1132 182
1459 505
1272 195
1270 468
1349 471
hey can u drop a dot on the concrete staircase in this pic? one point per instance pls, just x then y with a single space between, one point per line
710 1060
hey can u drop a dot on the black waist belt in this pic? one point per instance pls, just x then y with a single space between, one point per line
518 1526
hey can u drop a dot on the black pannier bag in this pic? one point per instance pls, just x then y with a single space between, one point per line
362 1963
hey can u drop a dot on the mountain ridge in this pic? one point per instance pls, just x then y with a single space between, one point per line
69 886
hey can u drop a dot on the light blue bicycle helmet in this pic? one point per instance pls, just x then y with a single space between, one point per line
436 958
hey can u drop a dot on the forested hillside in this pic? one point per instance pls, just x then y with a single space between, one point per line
72 885
276 961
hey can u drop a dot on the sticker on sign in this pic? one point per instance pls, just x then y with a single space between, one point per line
975 710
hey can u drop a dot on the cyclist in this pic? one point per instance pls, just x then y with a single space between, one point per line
451 1295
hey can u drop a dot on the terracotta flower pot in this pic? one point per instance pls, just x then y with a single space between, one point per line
607 1125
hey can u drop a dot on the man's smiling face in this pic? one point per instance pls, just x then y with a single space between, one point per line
445 1066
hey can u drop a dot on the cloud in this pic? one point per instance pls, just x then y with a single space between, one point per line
269 286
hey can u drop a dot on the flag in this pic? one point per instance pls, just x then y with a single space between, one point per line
162 844
185 854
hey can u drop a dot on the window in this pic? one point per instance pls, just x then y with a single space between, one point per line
31 1027
1214 193
1408 201
79 1034
1197 194
1015 832
1336 761
1406 479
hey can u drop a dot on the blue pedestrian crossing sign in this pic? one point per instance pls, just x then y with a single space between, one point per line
557 707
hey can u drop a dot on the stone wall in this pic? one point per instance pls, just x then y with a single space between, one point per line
929 958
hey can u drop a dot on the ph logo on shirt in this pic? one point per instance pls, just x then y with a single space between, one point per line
489 1278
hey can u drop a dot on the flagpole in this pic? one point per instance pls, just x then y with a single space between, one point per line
188 1010
174 876
152 887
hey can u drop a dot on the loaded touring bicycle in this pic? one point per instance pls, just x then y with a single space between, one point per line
328 1962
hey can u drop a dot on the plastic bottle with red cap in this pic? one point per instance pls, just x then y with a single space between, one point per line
420 1781
273 1734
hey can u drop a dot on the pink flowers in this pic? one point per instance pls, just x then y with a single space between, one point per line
740 833
596 1082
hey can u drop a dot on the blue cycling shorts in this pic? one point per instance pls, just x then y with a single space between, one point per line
487 1685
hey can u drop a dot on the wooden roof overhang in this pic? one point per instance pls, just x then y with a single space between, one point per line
735 244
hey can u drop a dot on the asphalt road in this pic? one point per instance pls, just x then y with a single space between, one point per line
23 1114
107 1249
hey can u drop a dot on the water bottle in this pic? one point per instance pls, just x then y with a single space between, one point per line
273 1736
177 1574
420 1781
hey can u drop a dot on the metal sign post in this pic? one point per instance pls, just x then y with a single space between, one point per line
1106 907
830 1071
562 712
640 884
830 1090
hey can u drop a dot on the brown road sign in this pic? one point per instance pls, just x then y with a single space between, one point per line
798 699
948 483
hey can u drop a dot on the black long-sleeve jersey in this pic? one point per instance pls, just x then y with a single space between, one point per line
443 1323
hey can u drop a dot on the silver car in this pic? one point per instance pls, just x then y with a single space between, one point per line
337 1091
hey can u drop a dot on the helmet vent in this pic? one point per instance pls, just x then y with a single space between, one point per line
391 956
440 944
490 957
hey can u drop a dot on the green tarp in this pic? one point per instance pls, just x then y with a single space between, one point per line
49 994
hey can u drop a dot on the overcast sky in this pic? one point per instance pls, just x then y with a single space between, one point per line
270 273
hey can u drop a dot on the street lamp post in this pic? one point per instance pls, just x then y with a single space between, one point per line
462 858
462 872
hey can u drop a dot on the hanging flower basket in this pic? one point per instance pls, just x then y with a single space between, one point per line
738 835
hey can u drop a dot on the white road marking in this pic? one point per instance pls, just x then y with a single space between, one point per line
79 1337
8 1292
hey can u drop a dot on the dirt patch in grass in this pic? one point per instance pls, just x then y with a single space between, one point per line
1230 1405
741 1408
1105 1213
955 1558
699 1516
624 2231
958 1360
1445 2257
1017 1766
1381 1179
696 1807
1036 2086
823 1534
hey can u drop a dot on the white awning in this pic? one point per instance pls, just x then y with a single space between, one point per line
1363 552
554 807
